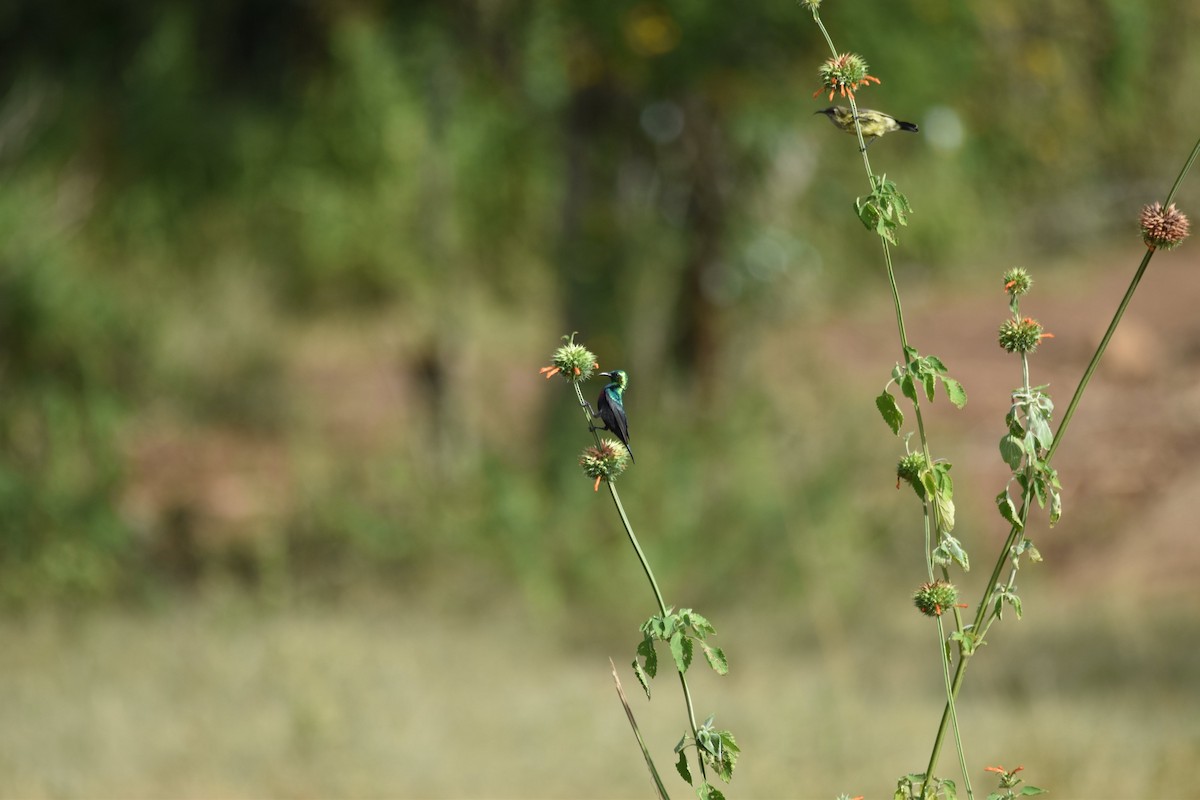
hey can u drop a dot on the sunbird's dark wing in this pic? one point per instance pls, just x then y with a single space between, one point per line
612 411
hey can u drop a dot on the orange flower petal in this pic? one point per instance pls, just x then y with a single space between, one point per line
550 371
596 488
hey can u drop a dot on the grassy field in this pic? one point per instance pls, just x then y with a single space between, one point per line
221 697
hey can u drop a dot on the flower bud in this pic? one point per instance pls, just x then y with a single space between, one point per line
931 599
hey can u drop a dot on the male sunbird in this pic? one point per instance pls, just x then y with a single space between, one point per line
610 407
874 123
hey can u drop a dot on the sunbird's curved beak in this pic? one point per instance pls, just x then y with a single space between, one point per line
606 374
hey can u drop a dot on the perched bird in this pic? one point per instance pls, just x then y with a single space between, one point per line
610 407
874 123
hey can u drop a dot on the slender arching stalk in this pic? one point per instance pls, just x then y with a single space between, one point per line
637 548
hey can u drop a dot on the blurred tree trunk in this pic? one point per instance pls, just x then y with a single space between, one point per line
698 317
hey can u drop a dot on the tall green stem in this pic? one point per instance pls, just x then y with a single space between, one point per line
662 605
930 503
1015 531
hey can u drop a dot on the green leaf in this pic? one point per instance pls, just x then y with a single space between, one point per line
930 381
936 364
955 391
716 658
729 752
1041 430
890 411
907 388
966 640
945 513
681 766
701 626
681 651
1015 602
643 679
1008 510
1027 791
709 792
955 548
646 650
1011 451
1055 506
950 789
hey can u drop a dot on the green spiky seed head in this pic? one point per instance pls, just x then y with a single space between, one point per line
811 5
1017 281
844 74
1021 335
846 69
1163 228
606 461
931 599
574 361
909 469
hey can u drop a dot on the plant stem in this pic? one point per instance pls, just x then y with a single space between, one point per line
1016 531
662 605
930 502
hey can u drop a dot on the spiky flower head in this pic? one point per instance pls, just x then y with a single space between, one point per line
1017 281
1164 228
811 5
604 462
931 599
909 470
574 361
844 74
1022 335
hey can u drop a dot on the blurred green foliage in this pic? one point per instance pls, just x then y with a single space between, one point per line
247 217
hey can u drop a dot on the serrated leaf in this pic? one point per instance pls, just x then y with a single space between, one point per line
716 659
890 411
646 650
936 364
642 678
681 766
1027 791
1007 510
1012 451
709 792
907 388
681 651
930 382
700 625
955 391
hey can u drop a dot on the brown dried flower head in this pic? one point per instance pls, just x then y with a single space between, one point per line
1164 228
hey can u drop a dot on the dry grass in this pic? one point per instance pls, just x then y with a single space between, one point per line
219 698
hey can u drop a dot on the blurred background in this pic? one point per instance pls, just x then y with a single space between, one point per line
286 510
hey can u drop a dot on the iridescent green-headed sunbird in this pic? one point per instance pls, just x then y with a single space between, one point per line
610 407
